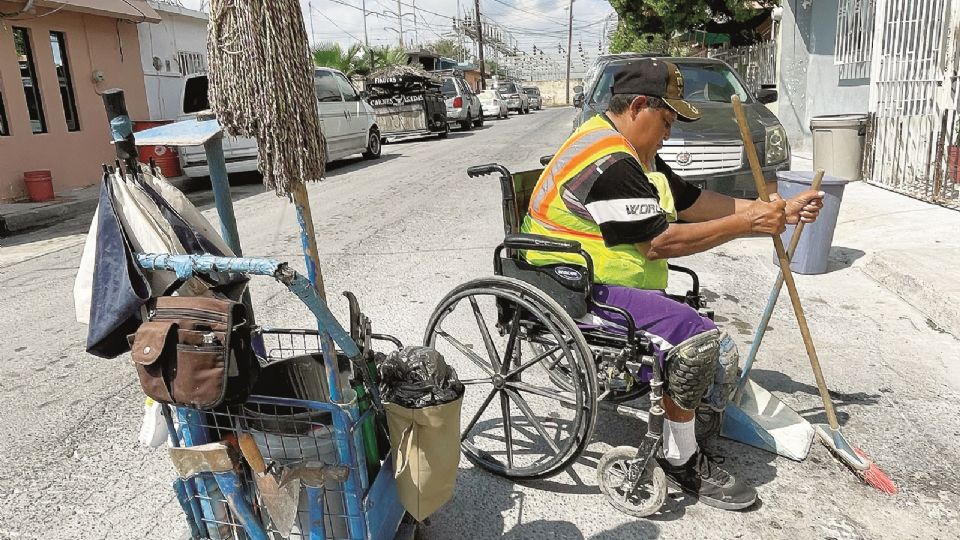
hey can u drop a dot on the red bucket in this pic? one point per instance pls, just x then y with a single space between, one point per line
165 157
39 185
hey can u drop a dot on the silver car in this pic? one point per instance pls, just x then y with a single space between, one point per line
493 104
517 99
463 106
533 94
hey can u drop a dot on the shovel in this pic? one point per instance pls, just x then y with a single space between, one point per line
280 502
755 416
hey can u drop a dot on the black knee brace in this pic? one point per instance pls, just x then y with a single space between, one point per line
691 368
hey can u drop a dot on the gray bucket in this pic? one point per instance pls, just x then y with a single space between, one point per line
838 144
813 251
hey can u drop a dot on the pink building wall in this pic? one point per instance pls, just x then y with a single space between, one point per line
94 43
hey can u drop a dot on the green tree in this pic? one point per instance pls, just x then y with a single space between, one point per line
385 57
668 17
446 48
351 61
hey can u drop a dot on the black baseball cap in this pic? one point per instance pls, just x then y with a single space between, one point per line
657 78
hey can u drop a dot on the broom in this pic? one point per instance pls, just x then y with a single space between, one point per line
830 434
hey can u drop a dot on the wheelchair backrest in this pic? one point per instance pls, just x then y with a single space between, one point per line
516 198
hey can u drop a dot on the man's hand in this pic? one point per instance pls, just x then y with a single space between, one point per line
766 218
804 207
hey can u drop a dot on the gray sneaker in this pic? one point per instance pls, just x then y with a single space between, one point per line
702 478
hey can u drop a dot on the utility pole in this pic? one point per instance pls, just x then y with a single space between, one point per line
459 26
569 48
416 32
400 18
313 33
483 68
366 38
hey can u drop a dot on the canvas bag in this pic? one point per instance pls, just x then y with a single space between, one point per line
426 452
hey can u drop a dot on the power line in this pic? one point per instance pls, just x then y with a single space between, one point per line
335 23
538 15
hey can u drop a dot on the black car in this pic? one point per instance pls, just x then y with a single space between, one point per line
708 152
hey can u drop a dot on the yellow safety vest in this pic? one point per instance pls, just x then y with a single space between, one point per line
547 215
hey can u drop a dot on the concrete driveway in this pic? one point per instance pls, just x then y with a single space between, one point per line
400 233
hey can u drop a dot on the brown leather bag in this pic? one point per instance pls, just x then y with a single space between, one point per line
195 351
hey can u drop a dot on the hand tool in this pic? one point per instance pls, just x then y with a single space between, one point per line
280 502
830 434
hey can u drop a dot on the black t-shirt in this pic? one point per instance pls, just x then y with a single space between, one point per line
623 201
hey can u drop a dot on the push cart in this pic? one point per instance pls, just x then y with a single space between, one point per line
348 491
407 103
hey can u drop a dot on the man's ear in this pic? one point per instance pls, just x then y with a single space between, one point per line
637 105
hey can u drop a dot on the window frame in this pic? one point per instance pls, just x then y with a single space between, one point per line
68 95
34 82
321 73
341 81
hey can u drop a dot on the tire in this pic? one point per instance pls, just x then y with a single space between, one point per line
518 309
612 470
479 121
374 144
467 124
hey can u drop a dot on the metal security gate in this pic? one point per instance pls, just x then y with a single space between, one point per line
913 139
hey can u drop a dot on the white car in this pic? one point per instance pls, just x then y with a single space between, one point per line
493 104
348 123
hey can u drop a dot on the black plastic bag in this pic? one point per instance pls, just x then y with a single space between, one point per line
418 377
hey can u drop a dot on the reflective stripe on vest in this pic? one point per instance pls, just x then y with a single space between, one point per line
548 214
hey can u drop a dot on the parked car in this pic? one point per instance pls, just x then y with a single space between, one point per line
533 94
493 104
348 124
463 106
517 99
708 152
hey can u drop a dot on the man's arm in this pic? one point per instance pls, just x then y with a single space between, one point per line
711 205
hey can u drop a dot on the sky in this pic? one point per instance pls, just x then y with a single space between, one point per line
540 23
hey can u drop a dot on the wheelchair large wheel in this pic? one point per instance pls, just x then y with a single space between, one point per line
516 422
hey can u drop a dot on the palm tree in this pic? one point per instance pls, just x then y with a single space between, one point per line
351 61
388 56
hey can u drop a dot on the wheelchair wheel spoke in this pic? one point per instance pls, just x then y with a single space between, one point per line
507 427
467 382
512 342
535 360
476 416
562 397
474 357
485 332
528 413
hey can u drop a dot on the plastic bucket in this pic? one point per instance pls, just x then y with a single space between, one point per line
165 157
813 251
838 144
39 185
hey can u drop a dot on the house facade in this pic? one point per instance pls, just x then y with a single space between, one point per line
898 61
54 61
169 51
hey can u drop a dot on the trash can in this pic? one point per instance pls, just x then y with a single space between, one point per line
838 142
813 250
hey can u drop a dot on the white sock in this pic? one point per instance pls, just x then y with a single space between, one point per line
679 441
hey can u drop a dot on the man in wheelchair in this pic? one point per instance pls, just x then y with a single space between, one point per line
607 189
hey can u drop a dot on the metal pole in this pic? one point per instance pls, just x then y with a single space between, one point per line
313 33
569 47
121 128
400 18
366 38
416 32
483 68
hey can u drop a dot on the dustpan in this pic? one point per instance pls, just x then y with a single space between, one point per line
761 420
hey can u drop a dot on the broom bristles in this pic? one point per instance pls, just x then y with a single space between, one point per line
875 476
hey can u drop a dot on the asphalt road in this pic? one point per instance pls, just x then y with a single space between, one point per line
401 232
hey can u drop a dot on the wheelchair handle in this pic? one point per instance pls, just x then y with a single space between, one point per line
539 242
489 168
545 160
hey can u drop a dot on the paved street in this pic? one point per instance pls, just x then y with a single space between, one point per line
401 232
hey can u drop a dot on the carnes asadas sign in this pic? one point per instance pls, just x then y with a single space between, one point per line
396 100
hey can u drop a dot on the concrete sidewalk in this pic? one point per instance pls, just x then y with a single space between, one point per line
907 246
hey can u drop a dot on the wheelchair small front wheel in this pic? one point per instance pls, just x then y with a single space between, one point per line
617 477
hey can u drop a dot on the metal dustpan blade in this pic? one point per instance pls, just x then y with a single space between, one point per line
760 419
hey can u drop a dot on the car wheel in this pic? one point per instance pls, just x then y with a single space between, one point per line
479 121
467 124
373 145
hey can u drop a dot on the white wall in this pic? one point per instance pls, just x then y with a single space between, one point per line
180 30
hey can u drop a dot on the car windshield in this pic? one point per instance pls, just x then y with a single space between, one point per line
532 91
702 83
449 88
508 88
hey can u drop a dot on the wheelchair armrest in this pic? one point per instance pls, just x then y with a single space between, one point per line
539 242
695 288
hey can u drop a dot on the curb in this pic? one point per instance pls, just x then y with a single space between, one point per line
36 218
939 304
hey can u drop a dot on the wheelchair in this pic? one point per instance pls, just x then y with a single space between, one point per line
538 376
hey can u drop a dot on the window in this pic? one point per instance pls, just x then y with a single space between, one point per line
195 98
190 62
855 20
4 129
349 93
59 45
28 76
326 88
449 88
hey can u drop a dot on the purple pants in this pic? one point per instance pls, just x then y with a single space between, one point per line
662 320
